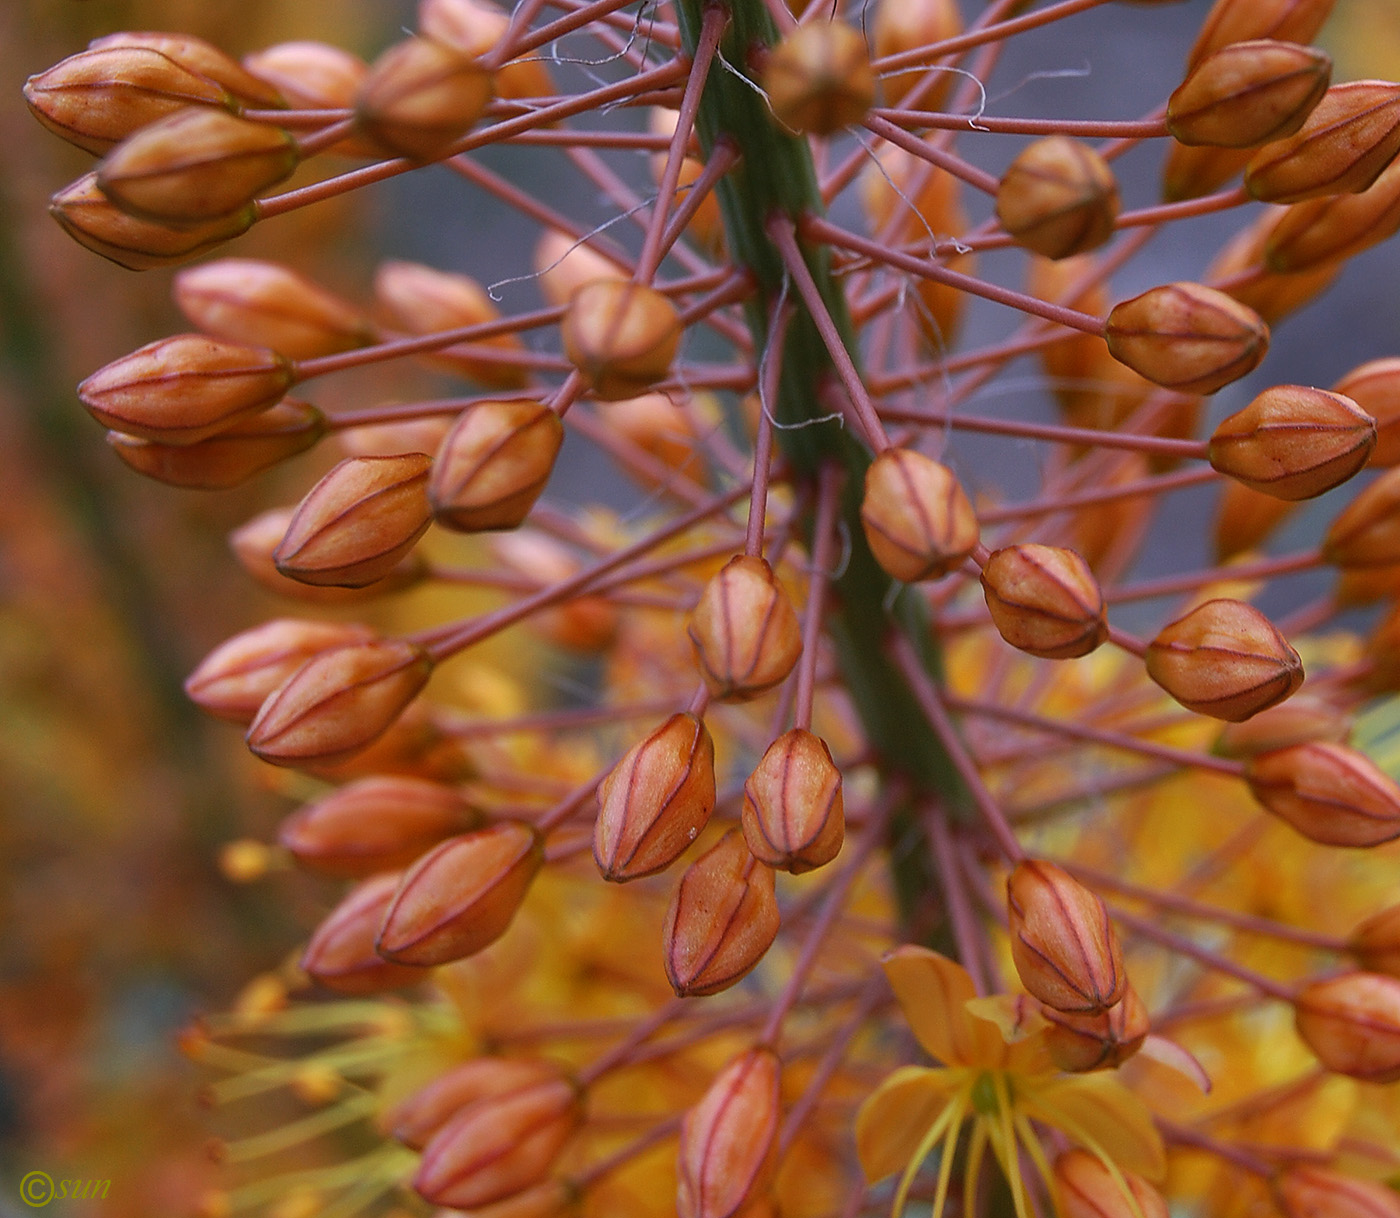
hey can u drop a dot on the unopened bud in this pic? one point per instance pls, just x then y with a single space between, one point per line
563 265
1375 388
621 336
1366 533
1065 949
656 800
1085 1188
1044 600
1249 93
904 27
744 631
585 623
200 57
1307 1191
341 953
493 464
1058 198
916 516
421 96
1241 20
1367 586
1246 518
818 79
310 75
475 28
1187 337
794 813
729 1139
663 430
1101 1040
1375 943
1300 720
1193 171
1328 792
414 1121
1352 1024
1318 231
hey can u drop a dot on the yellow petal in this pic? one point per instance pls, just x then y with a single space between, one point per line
934 992
1015 1015
1104 1117
896 1115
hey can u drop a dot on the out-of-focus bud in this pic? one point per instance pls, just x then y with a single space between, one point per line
794 813
200 57
1242 20
421 96
1104 534
1245 518
339 702
1294 442
356 524
1382 647
818 78
235 679
1367 586
621 336
1316 1192
1249 93
744 631
1328 792
1352 1024
461 896
1366 533
1058 198
1065 949
898 185
656 800
1187 337
904 27
1102 1040
1085 1188
1298 721
1242 271
185 389
1224 659
414 1121
1347 141
1044 600
722 920
476 27
341 953
196 165
1375 943
662 429
564 265
729 1138
229 457
493 464
1375 388
1191 172
584 623
917 518
1335 227
310 75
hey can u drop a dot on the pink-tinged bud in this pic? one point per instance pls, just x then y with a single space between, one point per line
656 800
818 79
200 57
1375 944
1352 1024
1311 234
1191 172
584 623
1328 792
1375 388
229 457
729 1139
493 465
341 953
1224 659
621 336
476 28
375 824
1316 1192
421 96
1100 1041
235 679
416 1119
1245 519
1085 1188
185 389
1366 533
917 518
744 631
310 75
356 524
665 431
794 814
461 896
903 27
1187 337
339 702
563 267
1249 93
1044 600
722 920
1058 198
1300 720
1064 947
1347 141
1242 20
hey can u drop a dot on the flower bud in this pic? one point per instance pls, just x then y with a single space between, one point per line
722 920
1243 273
1317 231
1366 533
339 702
1187 337
794 813
200 57
1347 141
1375 388
1044 600
582 623
185 389
1085 1188
656 800
904 27
1224 659
1058 198
1298 721
621 336
357 522
476 28
1064 947
461 896
1241 20
1368 586
1193 171
666 432
196 165
341 953
818 78
744 631
1315 1192
1102 1040
1352 1024
1294 442
421 96
916 516
563 265
1375 943
493 464
414 1121
729 1139
1249 93
1245 519
310 75
1328 792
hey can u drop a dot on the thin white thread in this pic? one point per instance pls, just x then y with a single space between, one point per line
588 236
972 76
1047 74
763 380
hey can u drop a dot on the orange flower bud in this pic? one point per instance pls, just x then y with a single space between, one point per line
917 518
1194 171
621 336
421 96
1102 1040
1058 198
662 429
1187 337
1367 586
1375 943
1085 1188
341 953
1064 947
729 1139
461 896
476 28
903 27
310 75
357 522
196 165
185 389
794 813
416 1119
744 631
1375 388
200 57
1328 792
1298 721
235 679
656 800
339 702
1245 518
1249 93
563 265
1316 1192
1294 442
1241 20
1310 234
818 78
1366 533
1242 270
584 623
1352 1024
1044 600
1347 141
722 920
1224 659
493 464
